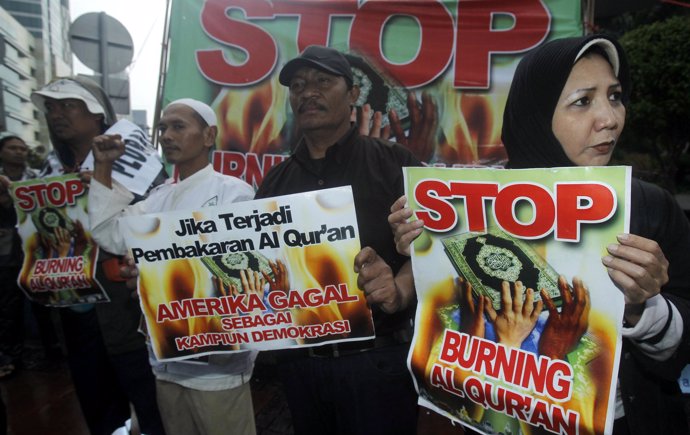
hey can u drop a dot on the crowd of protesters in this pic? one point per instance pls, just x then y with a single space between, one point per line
349 388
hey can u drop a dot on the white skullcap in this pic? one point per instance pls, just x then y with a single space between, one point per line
203 109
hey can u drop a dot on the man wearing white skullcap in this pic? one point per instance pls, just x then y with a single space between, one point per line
194 398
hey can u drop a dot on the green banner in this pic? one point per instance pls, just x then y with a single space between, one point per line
457 58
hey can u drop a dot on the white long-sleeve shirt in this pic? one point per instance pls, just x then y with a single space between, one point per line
652 322
204 188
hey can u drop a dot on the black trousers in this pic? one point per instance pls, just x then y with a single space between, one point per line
369 392
11 314
106 384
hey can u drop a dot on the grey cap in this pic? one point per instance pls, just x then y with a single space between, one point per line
78 88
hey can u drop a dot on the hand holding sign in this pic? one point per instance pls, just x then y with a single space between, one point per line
130 272
377 281
404 230
137 164
639 268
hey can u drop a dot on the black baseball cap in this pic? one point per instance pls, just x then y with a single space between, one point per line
323 58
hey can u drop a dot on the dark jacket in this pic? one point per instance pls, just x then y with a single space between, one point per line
651 396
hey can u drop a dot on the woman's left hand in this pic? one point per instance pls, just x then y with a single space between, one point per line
637 267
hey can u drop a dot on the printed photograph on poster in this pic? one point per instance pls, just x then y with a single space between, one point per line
518 325
60 256
266 274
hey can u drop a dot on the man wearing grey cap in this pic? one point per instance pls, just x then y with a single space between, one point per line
106 354
360 387
199 397
76 110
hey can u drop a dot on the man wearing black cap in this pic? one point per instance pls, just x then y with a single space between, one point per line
363 387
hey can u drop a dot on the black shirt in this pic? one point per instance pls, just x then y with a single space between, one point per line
373 167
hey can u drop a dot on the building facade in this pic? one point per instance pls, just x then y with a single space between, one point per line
37 44
18 71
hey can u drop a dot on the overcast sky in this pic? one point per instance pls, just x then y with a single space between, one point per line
144 19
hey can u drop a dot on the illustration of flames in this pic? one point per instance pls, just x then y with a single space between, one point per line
308 267
590 389
470 127
321 264
255 119
251 119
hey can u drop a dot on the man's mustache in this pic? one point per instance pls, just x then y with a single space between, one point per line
310 105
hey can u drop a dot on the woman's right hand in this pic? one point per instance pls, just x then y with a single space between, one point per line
404 230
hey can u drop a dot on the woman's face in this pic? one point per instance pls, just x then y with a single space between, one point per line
589 115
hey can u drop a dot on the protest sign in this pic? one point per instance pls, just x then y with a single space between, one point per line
488 352
266 274
139 165
459 54
60 256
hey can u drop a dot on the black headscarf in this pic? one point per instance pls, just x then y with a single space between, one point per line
538 82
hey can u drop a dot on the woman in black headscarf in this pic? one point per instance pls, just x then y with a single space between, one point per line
566 107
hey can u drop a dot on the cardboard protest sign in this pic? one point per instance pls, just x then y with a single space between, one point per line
518 324
60 256
139 165
265 274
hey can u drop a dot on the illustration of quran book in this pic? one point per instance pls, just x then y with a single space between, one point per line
48 219
485 260
227 266
378 90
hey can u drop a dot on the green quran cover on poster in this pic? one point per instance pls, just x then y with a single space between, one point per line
487 259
